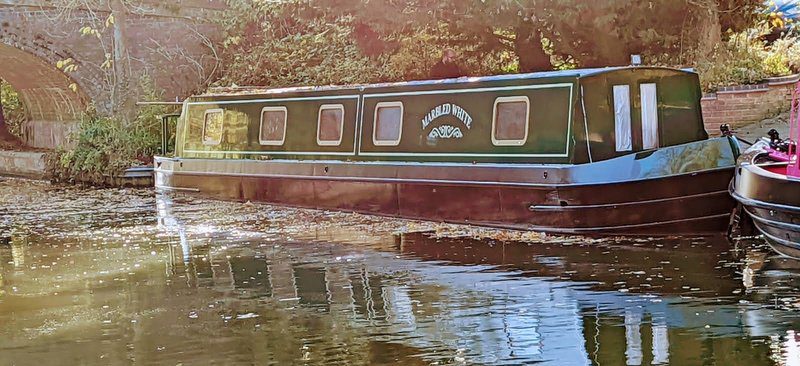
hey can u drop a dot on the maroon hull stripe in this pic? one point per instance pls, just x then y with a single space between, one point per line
648 207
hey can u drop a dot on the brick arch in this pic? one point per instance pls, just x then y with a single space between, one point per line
46 93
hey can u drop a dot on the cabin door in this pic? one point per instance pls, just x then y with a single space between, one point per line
624 132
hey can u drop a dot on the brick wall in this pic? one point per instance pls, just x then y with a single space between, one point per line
742 105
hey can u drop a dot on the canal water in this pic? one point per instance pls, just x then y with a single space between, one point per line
117 277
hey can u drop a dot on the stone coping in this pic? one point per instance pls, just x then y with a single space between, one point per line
760 87
23 164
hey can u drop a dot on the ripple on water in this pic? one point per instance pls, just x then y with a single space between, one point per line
127 276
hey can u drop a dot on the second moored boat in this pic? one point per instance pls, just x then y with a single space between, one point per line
767 185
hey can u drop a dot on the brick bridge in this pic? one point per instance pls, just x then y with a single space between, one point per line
113 45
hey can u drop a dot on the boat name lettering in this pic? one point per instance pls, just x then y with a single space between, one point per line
447 109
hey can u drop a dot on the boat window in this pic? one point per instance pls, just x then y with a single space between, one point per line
622 117
212 127
388 127
649 95
510 121
273 126
330 124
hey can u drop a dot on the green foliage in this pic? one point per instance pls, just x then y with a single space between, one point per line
13 109
307 42
102 148
298 43
746 59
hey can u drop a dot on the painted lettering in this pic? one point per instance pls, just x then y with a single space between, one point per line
447 109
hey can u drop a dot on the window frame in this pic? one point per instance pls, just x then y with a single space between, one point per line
511 99
341 124
205 122
280 142
378 106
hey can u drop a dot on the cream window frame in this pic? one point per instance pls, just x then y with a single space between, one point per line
514 99
341 124
205 121
261 126
375 140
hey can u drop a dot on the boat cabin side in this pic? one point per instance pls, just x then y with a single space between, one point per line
568 117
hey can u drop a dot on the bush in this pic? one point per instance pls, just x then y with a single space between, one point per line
13 109
747 59
102 148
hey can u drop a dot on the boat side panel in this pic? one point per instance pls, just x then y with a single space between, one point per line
242 122
445 123
460 122
529 208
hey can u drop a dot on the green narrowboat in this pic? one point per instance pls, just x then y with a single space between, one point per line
594 151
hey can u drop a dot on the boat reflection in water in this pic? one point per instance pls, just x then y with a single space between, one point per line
479 301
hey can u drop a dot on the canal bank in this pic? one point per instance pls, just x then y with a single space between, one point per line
23 164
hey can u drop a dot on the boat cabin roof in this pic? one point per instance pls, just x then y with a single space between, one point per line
573 73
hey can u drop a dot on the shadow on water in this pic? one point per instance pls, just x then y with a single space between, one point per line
178 280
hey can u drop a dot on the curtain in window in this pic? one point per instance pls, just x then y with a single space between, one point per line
622 117
649 97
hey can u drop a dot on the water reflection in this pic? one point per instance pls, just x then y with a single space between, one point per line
178 280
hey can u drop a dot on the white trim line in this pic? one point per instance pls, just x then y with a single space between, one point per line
205 122
512 99
261 126
348 153
295 99
358 126
475 90
585 125
341 124
375 140
307 153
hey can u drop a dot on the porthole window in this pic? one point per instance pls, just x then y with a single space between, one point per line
510 121
330 123
212 126
388 124
273 126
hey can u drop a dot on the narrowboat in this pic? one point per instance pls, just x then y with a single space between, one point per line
767 186
618 150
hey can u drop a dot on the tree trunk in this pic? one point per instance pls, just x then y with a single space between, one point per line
124 97
529 50
710 28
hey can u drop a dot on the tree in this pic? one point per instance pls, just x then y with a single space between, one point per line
401 39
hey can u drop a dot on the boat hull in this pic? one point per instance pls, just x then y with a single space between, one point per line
690 203
773 203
